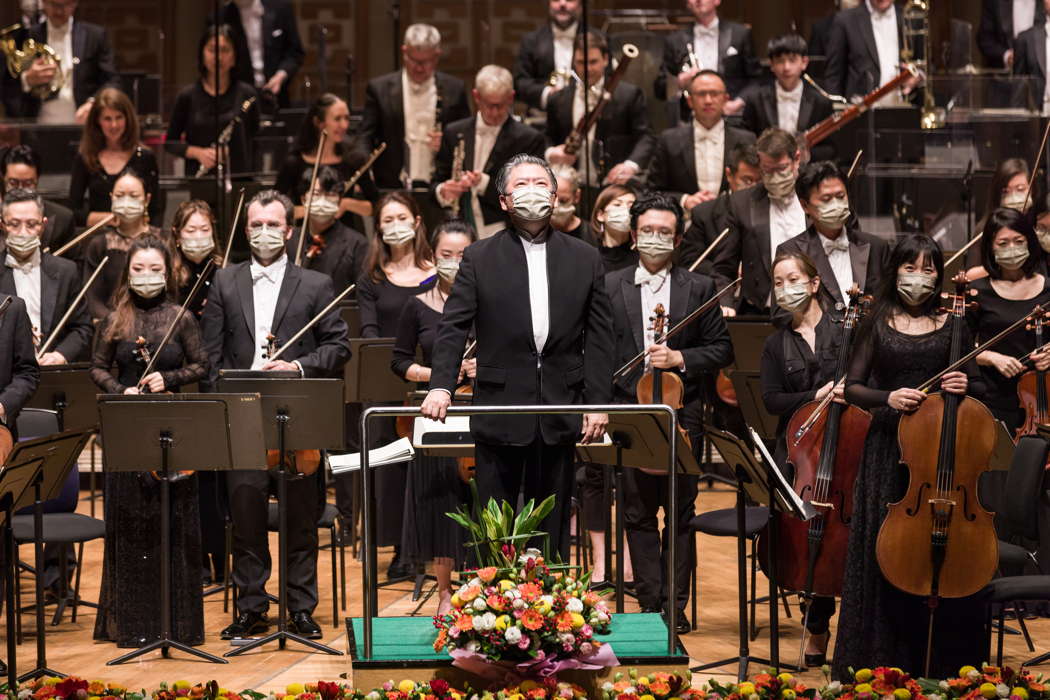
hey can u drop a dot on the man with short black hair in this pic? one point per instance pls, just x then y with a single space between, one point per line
20 170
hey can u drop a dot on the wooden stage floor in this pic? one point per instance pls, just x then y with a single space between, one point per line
71 649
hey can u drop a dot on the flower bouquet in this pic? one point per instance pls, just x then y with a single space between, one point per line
519 616
989 683
874 684
764 686
655 686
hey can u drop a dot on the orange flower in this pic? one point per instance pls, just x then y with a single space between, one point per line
487 574
465 623
495 602
442 638
530 591
531 620
659 687
470 594
564 621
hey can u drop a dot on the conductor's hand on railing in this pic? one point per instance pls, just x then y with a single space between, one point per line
436 404
593 427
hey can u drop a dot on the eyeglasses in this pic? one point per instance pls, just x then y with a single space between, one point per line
30 225
15 184
665 233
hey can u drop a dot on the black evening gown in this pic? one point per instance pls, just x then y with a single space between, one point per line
129 610
97 185
434 486
197 119
880 625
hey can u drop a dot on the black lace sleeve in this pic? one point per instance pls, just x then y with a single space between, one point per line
195 362
102 356
858 392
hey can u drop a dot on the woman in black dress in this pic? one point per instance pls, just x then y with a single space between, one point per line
109 146
400 265
434 485
130 202
905 340
206 107
193 237
344 153
129 603
798 366
564 217
611 227
1008 190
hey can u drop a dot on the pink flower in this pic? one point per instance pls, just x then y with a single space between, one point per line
524 642
586 631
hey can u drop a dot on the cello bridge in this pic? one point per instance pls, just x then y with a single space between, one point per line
818 504
942 502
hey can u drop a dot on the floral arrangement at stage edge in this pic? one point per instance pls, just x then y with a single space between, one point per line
764 686
872 684
655 686
520 615
989 683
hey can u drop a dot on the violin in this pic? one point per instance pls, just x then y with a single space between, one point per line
1032 386
661 386
304 462
938 541
316 247
725 389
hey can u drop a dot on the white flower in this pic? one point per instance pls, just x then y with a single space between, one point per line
519 603
1002 691
512 635
607 686
566 637
488 621
575 605
480 604
835 686
603 617
372 696
943 685
974 675
512 594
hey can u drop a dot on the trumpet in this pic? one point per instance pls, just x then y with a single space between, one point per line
20 60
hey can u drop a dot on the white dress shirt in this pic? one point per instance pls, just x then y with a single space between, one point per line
705 45
563 43
884 27
1023 15
578 110
266 286
485 137
837 252
27 286
786 220
419 103
788 103
539 297
251 20
708 154
1046 90
655 290
62 108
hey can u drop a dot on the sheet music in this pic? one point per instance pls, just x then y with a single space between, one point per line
394 453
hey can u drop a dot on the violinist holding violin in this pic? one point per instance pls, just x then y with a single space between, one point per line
657 287
905 340
124 342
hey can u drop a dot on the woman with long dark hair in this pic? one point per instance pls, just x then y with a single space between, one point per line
194 243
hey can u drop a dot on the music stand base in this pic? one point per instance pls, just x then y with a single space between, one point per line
164 645
282 637
743 662
41 673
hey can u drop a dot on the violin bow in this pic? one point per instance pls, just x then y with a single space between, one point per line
1035 168
962 251
105 220
707 251
677 327
197 286
312 321
853 167
233 230
69 312
305 230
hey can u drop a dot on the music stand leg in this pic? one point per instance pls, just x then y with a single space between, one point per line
41 669
10 565
282 636
165 643
618 475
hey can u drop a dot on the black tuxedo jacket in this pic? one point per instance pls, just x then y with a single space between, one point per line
343 256
673 168
736 60
94 68
1030 58
760 113
534 65
384 120
282 47
59 285
704 343
622 132
514 138
995 33
491 295
701 232
820 35
60 225
19 372
868 257
228 323
853 58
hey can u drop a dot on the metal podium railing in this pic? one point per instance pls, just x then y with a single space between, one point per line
369 569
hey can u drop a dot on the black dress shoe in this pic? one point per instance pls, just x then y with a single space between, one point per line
247 624
302 623
815 660
398 569
682 625
646 609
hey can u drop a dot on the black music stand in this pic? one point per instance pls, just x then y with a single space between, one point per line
68 391
368 376
184 432
763 484
57 454
304 418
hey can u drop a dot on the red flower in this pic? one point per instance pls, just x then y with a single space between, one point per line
68 687
439 686
329 691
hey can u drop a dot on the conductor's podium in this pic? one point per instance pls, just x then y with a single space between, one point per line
403 648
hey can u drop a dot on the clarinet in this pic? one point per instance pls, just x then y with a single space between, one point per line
438 126
458 155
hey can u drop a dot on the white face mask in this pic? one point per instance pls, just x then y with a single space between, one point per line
563 213
266 242
531 203
1044 238
1011 257
447 269
22 244
654 248
128 208
792 297
398 233
618 218
147 284
780 185
1017 200
833 214
196 249
323 209
915 287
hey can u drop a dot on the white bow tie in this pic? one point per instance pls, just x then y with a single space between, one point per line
25 267
840 243
259 273
486 130
655 281
703 32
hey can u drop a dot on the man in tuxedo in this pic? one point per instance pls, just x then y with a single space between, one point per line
788 102
266 40
48 285
536 299
412 106
759 219
864 50
489 138
702 348
1003 21
1029 58
621 143
842 253
546 54
717 45
86 63
690 159
20 169
247 302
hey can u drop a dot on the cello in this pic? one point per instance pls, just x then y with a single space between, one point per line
938 541
1032 386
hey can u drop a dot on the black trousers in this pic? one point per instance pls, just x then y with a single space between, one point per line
644 495
536 471
249 496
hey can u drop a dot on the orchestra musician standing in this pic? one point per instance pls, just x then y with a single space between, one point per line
248 302
1028 54
544 61
128 610
564 217
611 223
536 300
266 37
1001 25
864 50
702 347
20 170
